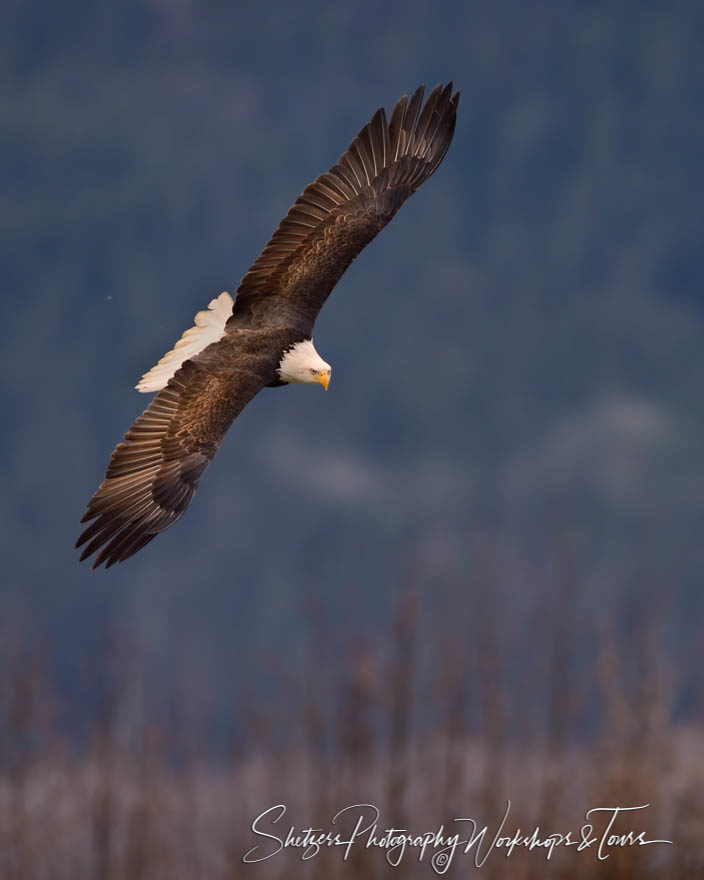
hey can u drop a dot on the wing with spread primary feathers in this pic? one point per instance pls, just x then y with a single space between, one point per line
154 473
343 210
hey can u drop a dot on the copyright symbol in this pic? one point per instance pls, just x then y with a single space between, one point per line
440 861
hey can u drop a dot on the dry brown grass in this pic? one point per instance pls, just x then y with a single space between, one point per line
429 719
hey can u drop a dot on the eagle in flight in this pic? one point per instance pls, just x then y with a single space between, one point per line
264 338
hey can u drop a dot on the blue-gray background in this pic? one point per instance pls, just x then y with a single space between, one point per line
517 359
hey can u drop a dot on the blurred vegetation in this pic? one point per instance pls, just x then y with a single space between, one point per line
517 357
422 717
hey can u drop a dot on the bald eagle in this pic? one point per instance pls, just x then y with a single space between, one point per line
264 338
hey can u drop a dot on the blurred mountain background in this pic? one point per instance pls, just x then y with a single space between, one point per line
517 360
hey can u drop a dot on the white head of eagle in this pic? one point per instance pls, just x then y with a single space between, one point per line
302 363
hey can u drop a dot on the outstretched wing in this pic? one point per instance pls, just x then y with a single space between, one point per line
343 210
154 472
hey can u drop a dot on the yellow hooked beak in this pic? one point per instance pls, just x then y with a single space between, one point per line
324 378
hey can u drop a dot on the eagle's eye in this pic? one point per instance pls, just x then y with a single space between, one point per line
313 371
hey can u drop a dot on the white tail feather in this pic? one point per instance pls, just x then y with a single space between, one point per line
209 327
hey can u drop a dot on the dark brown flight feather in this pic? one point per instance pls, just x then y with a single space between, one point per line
155 471
337 215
